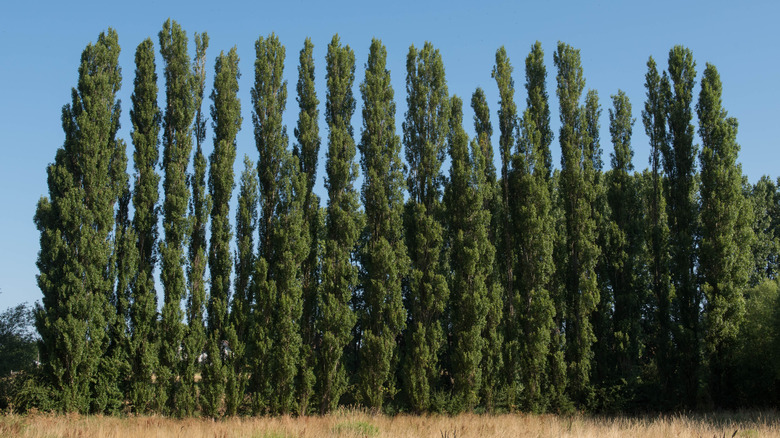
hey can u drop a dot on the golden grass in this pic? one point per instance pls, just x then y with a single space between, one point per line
357 424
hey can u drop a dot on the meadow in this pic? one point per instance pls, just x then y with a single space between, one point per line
358 424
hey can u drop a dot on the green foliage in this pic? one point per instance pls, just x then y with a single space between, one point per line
580 162
471 258
307 149
425 130
726 232
339 273
679 155
145 116
177 145
76 222
656 226
269 97
18 347
765 199
492 357
382 253
194 341
507 123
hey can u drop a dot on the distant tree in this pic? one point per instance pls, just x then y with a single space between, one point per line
76 223
145 116
177 146
679 156
383 254
18 348
307 149
726 235
425 131
765 198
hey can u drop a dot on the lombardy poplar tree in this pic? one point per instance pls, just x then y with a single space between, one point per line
195 335
75 223
241 304
177 145
471 258
726 217
538 102
533 228
342 227
284 244
656 225
269 97
307 150
425 131
115 365
382 254
220 375
623 249
577 196
145 117
507 123
492 357
679 156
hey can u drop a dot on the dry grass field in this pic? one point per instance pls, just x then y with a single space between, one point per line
355 424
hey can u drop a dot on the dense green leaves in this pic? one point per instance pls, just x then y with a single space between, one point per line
538 289
382 253
425 133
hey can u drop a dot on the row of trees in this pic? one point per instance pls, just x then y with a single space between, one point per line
534 288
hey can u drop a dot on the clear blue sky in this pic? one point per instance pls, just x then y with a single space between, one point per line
41 42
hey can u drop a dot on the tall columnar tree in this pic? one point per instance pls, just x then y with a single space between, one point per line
269 97
623 250
243 297
383 254
471 258
492 357
115 364
533 227
577 196
726 240
75 223
307 150
195 336
425 130
679 156
339 273
507 123
226 122
538 104
177 145
657 226
284 244
145 117
291 246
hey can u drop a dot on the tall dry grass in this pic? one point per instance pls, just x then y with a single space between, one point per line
356 424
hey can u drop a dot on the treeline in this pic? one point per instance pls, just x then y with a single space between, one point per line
528 287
